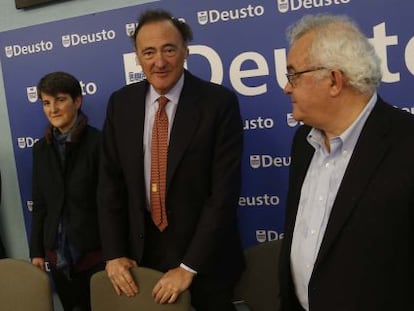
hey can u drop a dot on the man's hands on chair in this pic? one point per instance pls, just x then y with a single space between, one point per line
167 290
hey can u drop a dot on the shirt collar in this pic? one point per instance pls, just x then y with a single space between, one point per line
350 136
173 95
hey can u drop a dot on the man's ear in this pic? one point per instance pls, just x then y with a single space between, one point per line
337 82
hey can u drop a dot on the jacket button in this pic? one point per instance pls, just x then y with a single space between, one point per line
141 236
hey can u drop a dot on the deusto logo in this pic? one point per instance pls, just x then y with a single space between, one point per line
258 124
265 161
294 5
77 39
37 47
132 68
26 142
265 200
214 16
268 235
130 29
31 92
29 205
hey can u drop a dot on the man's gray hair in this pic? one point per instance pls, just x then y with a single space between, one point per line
339 44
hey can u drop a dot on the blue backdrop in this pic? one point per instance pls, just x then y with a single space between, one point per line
240 44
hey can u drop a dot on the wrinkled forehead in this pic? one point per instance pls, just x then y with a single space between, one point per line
158 32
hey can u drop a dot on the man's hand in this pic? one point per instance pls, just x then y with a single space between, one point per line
171 285
120 276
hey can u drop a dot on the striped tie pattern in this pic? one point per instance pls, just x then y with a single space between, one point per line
159 149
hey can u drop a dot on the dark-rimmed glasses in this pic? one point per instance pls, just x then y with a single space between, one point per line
291 76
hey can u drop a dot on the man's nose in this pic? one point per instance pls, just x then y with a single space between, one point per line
288 88
160 59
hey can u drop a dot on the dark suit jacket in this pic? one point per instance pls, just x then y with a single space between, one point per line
203 179
365 261
72 189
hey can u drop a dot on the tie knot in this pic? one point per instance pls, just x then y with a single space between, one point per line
162 101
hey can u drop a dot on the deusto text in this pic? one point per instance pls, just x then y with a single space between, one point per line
214 16
258 123
265 161
37 47
265 200
261 66
294 5
77 39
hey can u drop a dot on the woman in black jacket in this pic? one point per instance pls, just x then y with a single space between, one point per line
65 172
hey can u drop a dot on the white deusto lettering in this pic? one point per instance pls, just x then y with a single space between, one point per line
260 200
274 235
37 47
258 123
215 16
380 41
309 4
409 55
268 161
89 88
237 75
104 35
213 58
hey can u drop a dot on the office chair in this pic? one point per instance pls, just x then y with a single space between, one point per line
24 287
104 297
258 287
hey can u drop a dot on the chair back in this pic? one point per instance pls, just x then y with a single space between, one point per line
258 287
104 297
23 286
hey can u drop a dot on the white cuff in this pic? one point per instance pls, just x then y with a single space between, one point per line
185 267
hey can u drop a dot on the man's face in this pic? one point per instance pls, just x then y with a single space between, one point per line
161 53
61 110
309 94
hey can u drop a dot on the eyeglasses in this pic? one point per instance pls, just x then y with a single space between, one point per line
292 76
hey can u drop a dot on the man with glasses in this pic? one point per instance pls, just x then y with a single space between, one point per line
349 231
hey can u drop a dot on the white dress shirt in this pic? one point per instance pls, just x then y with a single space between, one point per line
318 194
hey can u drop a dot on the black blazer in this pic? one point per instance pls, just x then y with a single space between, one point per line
203 178
73 188
365 261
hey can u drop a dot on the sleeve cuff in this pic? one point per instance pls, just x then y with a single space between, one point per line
185 267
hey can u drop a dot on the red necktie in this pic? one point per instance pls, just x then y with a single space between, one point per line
159 149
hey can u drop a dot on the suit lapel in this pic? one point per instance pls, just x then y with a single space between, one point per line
185 123
365 160
134 117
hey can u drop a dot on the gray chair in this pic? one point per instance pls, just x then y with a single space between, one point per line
104 298
24 287
258 287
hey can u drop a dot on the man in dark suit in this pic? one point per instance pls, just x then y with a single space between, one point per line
349 235
199 248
